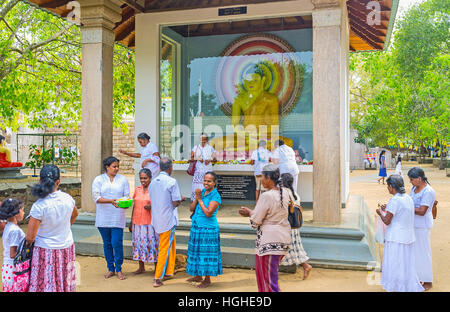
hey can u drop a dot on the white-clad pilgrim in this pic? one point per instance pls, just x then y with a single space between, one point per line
284 157
203 154
259 158
423 196
110 220
399 260
149 154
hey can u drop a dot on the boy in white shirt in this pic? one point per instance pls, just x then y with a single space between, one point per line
260 158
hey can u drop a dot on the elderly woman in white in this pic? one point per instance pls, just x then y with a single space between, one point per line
284 157
110 220
399 261
423 196
149 154
204 154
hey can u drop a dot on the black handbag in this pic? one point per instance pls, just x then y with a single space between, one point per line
295 215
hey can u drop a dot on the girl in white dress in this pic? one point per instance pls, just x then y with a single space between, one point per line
399 261
398 166
12 211
423 196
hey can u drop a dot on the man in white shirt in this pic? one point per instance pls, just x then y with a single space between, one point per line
284 157
165 197
259 159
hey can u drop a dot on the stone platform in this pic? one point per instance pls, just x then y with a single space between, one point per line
349 245
11 173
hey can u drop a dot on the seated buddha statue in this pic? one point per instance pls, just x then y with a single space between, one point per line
5 156
255 114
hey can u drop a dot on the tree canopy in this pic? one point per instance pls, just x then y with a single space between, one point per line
40 71
400 97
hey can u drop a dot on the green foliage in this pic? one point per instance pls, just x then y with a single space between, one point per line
40 71
400 97
39 157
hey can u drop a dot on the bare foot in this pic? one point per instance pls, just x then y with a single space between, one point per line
167 277
157 283
196 279
427 286
306 271
121 276
109 274
139 271
204 284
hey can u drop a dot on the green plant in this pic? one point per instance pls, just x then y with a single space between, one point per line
66 156
39 157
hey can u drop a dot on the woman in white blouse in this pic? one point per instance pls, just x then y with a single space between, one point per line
204 154
399 260
53 261
149 154
284 157
423 196
110 220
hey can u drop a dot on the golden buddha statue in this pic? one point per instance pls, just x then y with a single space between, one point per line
254 116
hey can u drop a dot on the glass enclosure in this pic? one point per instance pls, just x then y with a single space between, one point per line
237 86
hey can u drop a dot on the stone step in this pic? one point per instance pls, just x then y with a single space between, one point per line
238 248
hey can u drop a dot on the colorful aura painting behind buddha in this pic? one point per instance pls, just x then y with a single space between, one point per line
251 87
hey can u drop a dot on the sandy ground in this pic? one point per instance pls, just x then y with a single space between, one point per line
91 269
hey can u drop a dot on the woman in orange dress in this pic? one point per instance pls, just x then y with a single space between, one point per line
145 240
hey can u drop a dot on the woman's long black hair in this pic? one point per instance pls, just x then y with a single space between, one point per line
381 154
287 180
272 172
9 208
49 175
417 172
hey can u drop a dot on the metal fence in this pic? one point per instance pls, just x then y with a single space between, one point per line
35 150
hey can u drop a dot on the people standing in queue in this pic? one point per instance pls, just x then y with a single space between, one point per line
399 260
145 240
110 220
260 158
204 257
382 167
11 210
166 197
270 217
296 254
423 196
149 154
203 154
284 157
51 216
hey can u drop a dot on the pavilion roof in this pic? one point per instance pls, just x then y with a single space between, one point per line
363 37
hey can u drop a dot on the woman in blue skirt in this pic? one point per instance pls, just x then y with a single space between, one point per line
382 161
204 257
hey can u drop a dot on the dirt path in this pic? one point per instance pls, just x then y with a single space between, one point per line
240 280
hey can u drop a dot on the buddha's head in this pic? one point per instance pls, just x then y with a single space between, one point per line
254 82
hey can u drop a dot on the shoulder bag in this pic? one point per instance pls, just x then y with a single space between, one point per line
191 168
295 215
22 267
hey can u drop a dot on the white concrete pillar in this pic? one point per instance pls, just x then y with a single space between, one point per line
330 53
98 18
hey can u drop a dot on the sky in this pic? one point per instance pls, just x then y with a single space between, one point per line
405 4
